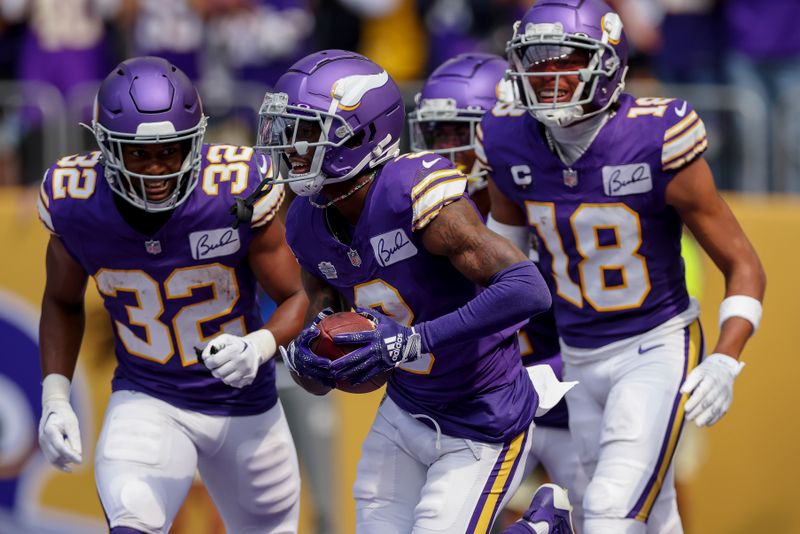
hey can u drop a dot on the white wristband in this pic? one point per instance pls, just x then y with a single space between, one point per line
264 342
519 235
55 386
747 308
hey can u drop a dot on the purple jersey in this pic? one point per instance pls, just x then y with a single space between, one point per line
609 243
538 345
171 292
475 389
538 341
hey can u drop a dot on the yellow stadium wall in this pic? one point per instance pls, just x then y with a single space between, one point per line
747 475
748 481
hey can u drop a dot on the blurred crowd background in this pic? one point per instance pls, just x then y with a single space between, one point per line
736 61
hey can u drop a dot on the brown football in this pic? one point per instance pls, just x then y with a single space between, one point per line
323 345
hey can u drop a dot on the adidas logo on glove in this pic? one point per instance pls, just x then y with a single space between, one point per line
394 344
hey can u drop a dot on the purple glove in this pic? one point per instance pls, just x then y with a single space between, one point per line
388 346
302 361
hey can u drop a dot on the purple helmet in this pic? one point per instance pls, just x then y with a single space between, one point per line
554 29
461 89
351 104
147 100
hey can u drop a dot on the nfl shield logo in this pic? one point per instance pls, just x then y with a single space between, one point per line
153 246
355 259
328 270
570 177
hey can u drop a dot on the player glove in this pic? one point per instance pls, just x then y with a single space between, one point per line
235 360
711 387
388 346
59 434
302 361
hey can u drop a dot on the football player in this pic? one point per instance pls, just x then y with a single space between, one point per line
606 181
450 106
147 216
397 239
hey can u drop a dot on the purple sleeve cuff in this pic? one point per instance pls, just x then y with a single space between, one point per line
513 296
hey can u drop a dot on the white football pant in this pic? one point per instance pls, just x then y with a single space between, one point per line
149 450
555 450
626 418
413 479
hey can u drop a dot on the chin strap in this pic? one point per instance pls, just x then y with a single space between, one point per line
242 210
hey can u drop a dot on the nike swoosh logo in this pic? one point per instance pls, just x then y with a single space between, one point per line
262 165
642 349
429 164
681 111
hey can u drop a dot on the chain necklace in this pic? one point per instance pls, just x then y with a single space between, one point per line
340 236
554 148
569 175
369 179
342 232
583 135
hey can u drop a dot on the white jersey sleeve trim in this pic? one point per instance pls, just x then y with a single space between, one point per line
682 146
480 153
43 206
267 206
431 201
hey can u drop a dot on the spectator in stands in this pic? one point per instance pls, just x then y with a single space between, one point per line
171 29
763 55
64 45
262 39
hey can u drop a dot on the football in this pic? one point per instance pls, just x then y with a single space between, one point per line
323 345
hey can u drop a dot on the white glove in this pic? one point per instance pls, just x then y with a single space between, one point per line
711 387
548 387
235 360
59 434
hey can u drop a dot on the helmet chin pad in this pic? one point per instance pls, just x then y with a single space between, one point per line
560 117
307 188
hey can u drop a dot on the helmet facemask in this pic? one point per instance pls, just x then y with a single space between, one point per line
285 130
531 50
131 185
436 118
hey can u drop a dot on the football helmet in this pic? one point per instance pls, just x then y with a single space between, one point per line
455 97
555 29
336 108
147 100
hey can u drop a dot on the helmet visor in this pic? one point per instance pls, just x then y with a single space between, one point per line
443 136
543 56
289 133
552 57
148 191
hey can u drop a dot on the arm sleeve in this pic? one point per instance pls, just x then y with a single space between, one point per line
519 235
513 296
